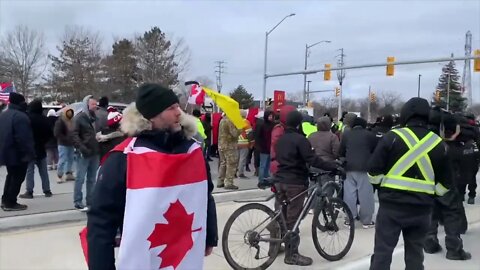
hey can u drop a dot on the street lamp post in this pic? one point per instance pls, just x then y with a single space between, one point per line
264 92
308 90
419 77
305 75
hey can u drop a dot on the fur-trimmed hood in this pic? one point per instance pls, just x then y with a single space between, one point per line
133 123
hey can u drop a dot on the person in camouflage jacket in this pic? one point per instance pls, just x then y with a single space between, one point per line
227 148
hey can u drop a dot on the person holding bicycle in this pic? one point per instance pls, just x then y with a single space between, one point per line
294 154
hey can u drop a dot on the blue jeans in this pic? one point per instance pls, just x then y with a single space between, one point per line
42 170
86 166
264 169
65 160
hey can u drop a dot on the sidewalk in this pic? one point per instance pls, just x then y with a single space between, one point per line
58 247
63 193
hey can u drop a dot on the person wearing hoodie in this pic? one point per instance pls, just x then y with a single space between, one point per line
347 124
16 150
52 146
85 142
63 131
382 126
277 131
263 140
324 142
356 147
41 135
293 154
110 136
101 114
407 190
156 123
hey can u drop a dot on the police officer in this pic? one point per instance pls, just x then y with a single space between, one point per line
410 166
449 207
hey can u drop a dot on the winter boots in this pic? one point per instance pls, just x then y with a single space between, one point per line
292 256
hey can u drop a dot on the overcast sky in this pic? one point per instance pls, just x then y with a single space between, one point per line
234 31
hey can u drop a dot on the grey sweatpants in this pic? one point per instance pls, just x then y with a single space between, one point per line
242 160
357 186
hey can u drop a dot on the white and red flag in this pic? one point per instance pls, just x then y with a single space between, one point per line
197 95
166 210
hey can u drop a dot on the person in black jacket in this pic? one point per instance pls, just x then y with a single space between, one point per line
407 190
382 126
263 138
52 146
207 126
16 150
294 153
356 147
168 130
42 133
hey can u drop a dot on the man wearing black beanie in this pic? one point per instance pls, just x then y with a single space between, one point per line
16 149
159 150
293 153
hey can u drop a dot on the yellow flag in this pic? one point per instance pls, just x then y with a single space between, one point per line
228 105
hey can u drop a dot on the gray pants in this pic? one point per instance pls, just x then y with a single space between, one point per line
357 186
242 160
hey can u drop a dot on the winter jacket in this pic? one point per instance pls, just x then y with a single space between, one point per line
16 137
52 119
228 135
263 134
356 146
277 131
101 116
63 129
324 141
109 138
293 154
84 135
107 210
389 150
42 133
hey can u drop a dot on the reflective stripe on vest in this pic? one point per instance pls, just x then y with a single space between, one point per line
417 154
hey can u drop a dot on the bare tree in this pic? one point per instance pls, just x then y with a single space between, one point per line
295 97
389 102
24 56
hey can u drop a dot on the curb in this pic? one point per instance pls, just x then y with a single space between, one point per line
67 216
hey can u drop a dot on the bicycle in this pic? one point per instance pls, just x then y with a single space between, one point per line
264 235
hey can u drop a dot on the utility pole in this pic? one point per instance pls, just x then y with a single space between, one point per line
467 71
219 70
419 77
448 86
369 103
341 77
308 94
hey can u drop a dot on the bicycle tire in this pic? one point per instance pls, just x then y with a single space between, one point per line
275 232
316 225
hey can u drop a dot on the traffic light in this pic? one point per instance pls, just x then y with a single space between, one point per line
476 61
327 74
390 67
373 97
437 95
337 91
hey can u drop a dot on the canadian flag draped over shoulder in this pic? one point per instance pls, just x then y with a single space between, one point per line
165 212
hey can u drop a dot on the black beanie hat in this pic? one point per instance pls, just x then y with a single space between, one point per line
103 102
294 119
153 99
16 98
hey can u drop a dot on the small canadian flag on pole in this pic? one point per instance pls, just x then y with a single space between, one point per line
197 95
165 212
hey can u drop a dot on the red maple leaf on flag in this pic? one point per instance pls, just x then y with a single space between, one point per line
176 234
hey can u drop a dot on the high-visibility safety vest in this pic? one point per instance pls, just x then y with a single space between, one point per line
308 128
243 137
341 126
201 129
417 154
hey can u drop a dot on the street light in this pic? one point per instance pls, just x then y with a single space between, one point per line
419 78
305 75
264 93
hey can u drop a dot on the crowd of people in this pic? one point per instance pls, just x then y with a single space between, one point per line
59 141
421 164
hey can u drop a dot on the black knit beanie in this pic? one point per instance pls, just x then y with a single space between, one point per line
153 99
16 98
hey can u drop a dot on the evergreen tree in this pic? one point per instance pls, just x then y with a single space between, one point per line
244 99
450 80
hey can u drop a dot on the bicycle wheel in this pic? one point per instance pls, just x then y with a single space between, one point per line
245 237
331 236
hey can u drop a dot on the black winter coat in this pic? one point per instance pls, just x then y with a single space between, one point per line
84 135
40 128
52 143
16 138
107 210
357 146
293 153
389 150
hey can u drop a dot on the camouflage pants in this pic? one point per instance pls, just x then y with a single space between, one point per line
228 166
